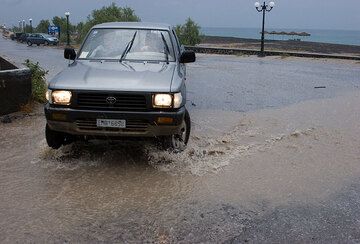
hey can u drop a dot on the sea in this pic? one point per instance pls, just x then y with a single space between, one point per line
347 37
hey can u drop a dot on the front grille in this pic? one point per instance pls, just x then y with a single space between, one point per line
124 102
131 125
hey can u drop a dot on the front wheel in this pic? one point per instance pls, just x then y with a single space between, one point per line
29 43
178 142
56 139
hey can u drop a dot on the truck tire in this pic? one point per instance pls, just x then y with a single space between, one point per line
54 139
177 143
29 43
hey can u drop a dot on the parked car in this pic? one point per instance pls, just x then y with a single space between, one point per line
40 38
127 80
15 36
23 37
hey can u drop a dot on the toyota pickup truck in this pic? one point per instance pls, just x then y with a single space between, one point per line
127 80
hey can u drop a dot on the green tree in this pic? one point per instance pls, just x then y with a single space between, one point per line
27 28
189 33
42 27
111 13
78 30
61 22
16 29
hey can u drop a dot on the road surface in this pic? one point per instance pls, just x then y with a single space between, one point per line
271 159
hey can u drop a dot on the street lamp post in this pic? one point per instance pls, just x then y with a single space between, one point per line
19 25
263 8
31 28
67 14
23 25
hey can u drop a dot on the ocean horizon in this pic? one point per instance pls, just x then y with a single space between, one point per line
347 37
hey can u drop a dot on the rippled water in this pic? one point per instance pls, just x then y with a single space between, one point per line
131 191
237 169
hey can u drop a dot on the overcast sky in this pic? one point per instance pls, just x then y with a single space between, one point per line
300 14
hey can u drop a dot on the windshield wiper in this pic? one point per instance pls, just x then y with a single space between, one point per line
166 48
128 47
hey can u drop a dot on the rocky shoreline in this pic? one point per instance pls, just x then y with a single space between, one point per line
275 45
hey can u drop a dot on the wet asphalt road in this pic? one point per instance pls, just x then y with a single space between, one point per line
241 180
232 83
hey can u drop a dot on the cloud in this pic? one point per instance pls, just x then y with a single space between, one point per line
12 2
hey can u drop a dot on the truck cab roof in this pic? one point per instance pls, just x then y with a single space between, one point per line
134 25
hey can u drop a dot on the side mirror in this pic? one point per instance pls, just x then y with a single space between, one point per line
187 57
69 53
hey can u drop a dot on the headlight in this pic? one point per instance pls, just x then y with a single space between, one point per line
162 101
177 100
167 100
61 97
48 96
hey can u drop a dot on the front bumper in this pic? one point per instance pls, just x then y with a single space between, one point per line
139 124
53 42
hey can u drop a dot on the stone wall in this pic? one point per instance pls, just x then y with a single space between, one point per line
15 87
5 65
234 51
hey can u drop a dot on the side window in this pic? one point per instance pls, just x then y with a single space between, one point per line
177 41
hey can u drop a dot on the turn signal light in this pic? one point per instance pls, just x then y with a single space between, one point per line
59 117
165 120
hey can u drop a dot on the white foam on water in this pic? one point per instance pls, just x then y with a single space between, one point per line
203 155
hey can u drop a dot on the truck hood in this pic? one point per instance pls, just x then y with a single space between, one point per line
115 76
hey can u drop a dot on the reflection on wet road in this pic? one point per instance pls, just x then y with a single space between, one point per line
277 175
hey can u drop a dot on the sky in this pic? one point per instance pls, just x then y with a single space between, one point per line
296 14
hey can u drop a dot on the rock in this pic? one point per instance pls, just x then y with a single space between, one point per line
296 134
6 119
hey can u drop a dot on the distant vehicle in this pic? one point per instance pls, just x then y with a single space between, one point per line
41 38
128 80
15 36
23 37
7 34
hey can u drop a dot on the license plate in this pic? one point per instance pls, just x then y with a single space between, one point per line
111 123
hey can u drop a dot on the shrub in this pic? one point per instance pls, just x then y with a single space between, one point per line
189 33
38 81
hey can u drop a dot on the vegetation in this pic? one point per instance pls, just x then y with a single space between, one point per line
39 86
18 29
189 33
110 13
43 25
61 22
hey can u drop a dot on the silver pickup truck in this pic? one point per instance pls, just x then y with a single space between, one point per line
127 80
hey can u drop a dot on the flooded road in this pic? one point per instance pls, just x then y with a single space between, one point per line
271 159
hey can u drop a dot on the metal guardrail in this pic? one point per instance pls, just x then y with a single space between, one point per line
235 51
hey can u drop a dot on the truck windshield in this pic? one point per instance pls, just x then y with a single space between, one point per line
110 44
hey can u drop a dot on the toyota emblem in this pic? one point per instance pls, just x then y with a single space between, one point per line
111 100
